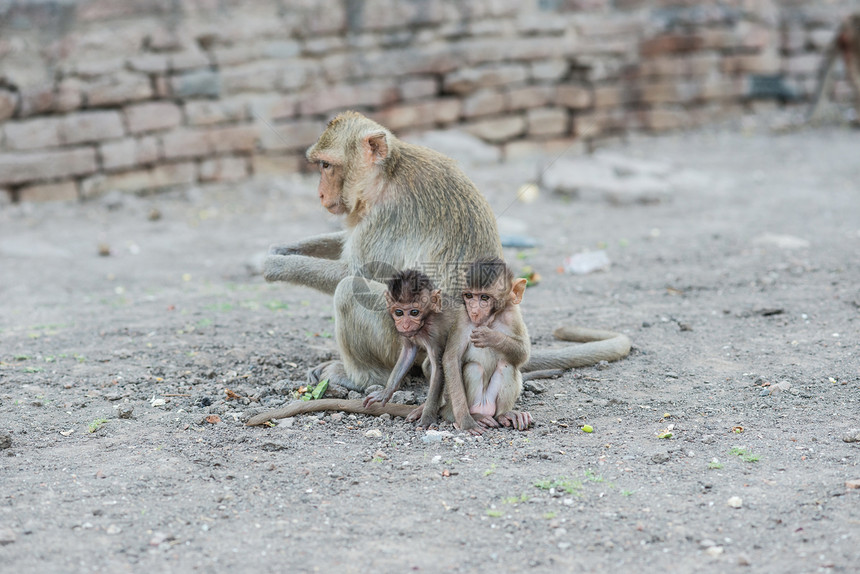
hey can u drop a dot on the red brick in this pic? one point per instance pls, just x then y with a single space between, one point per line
224 169
570 96
295 135
64 191
36 166
671 44
548 122
152 116
118 89
32 134
483 103
91 127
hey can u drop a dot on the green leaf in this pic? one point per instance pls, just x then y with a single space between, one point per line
320 389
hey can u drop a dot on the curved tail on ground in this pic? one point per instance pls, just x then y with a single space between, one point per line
597 345
342 405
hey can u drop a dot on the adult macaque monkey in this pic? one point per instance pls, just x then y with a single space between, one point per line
846 43
416 307
406 206
486 348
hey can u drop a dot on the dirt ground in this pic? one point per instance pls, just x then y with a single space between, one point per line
739 286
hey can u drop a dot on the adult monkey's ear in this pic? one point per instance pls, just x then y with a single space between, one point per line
436 300
375 146
389 299
517 290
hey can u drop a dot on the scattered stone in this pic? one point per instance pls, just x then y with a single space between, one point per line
853 484
373 433
124 410
587 262
714 551
287 422
851 436
660 458
7 536
113 529
5 441
403 398
336 392
782 241
777 388
354 396
735 502
373 389
467 148
336 417
743 560
385 417
536 387
707 543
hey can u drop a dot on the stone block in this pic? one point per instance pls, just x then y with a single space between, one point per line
802 65
483 103
498 130
90 69
188 60
32 134
142 180
551 70
181 144
147 150
152 116
209 112
664 119
8 103
544 122
659 93
70 95
573 96
91 127
418 88
197 84
120 154
291 136
609 97
474 51
64 191
526 97
296 73
662 67
534 48
467 80
36 99
370 94
269 165
149 63
224 169
420 114
253 77
234 138
18 168
116 89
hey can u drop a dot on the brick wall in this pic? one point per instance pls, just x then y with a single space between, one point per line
141 95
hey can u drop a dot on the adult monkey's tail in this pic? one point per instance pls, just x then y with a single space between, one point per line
824 76
596 346
342 405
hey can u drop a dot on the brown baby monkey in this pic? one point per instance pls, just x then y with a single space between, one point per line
417 309
486 348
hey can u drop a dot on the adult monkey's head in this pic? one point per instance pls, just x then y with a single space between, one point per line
351 154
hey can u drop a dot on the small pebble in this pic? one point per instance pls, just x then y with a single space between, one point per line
735 502
124 411
373 433
5 440
853 484
852 436
714 551
113 529
7 536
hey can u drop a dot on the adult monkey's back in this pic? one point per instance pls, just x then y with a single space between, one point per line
406 206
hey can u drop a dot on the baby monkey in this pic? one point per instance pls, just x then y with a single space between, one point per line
417 309
486 348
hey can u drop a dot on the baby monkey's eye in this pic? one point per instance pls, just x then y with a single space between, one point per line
414 312
467 295
485 297
398 312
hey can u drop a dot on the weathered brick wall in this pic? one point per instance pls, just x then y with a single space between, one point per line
138 95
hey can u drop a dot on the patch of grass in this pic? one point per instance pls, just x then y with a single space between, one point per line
626 493
96 425
715 465
490 470
220 307
493 513
204 322
21 357
33 369
275 305
516 499
560 483
745 455
550 515
589 474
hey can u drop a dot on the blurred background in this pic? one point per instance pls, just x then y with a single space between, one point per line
142 95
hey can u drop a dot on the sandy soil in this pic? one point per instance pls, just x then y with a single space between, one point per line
739 284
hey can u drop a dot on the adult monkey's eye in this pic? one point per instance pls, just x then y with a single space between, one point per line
325 164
